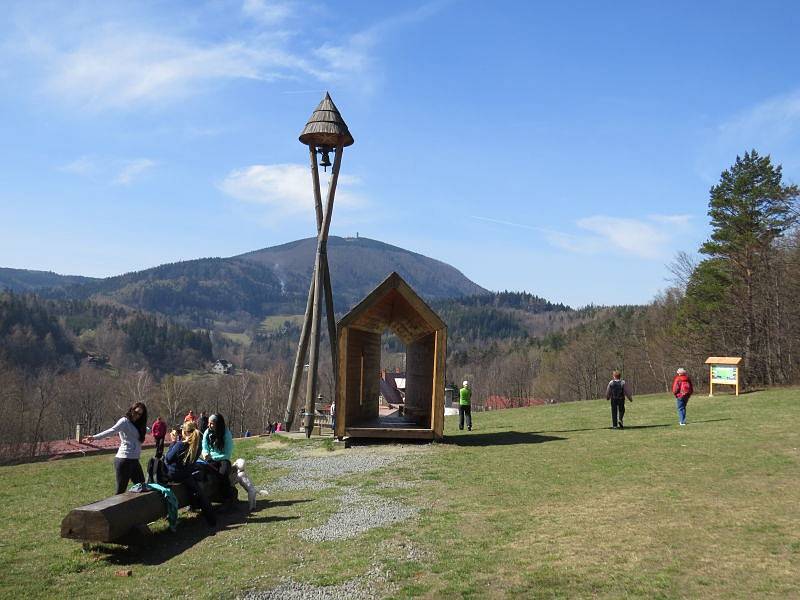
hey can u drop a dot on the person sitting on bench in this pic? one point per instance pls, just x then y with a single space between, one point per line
181 467
217 451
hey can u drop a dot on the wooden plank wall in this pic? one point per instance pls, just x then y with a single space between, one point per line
360 389
420 359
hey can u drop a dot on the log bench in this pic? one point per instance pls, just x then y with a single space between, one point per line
123 518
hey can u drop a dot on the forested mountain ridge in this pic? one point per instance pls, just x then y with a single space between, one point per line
236 293
26 280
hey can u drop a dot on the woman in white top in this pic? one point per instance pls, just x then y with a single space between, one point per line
131 429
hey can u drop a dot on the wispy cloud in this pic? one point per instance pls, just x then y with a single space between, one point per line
133 169
83 166
119 61
771 127
115 171
268 12
647 239
285 189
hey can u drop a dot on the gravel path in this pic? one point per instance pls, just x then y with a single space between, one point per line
318 472
358 513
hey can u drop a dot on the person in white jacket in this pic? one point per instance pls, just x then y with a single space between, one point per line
131 429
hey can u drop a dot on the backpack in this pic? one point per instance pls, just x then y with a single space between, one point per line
617 391
157 471
685 389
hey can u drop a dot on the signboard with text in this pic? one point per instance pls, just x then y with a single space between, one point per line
723 370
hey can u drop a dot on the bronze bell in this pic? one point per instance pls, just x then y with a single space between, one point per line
326 159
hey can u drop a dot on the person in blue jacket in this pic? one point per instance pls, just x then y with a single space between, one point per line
181 465
217 451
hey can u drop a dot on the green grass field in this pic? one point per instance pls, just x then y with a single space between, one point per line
546 502
276 322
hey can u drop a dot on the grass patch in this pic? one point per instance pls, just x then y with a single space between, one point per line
278 322
545 502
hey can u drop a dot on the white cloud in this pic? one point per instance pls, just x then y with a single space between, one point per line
634 237
116 171
267 12
83 166
671 219
771 127
123 58
286 189
133 169
631 236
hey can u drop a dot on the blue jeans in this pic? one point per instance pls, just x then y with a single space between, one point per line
681 403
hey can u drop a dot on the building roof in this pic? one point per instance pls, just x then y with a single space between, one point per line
395 306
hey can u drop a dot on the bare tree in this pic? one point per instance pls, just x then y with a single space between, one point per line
175 396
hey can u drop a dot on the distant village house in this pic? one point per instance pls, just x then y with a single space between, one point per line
222 367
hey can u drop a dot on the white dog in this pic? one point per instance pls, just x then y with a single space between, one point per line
239 476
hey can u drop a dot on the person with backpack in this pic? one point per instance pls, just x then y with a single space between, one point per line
682 389
181 468
616 392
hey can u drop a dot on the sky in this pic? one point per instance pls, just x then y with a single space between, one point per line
566 149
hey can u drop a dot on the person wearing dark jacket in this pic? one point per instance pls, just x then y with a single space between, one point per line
682 390
181 468
203 422
616 392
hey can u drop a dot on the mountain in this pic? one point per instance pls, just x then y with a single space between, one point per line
23 280
238 292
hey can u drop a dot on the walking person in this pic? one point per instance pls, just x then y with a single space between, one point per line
202 422
465 406
131 429
616 392
159 430
682 389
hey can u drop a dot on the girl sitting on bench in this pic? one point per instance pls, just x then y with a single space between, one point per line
217 451
131 429
180 460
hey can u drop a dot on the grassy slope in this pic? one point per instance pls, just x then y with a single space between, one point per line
542 502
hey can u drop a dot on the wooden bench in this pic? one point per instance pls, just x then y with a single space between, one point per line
123 518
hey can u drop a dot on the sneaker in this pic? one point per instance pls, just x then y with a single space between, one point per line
681 424
469 428
620 425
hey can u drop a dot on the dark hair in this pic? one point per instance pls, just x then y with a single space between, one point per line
139 422
216 436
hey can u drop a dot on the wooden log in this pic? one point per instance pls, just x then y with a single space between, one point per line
115 518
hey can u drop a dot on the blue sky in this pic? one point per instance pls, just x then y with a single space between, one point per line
566 149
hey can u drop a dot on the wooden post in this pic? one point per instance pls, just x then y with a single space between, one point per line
302 348
322 259
710 381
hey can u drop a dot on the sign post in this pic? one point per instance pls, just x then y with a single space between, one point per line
723 370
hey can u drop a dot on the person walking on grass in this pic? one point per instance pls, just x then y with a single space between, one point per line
465 406
131 429
616 392
682 389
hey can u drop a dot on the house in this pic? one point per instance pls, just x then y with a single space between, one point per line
222 367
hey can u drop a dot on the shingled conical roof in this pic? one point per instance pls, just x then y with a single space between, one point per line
326 127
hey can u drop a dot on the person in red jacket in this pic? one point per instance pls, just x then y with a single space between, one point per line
682 390
159 431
